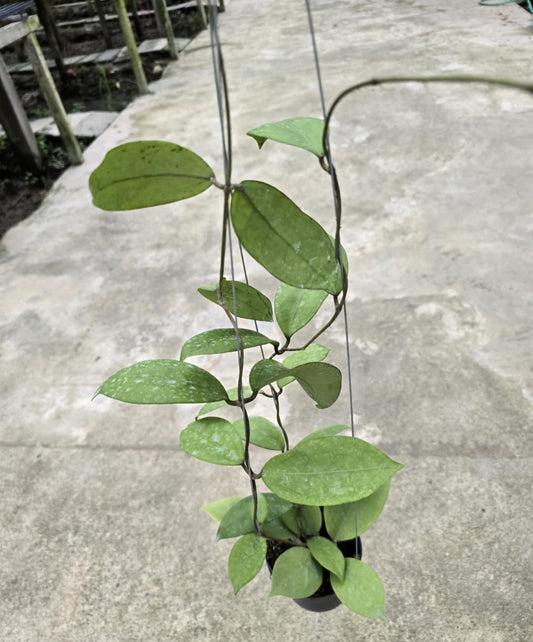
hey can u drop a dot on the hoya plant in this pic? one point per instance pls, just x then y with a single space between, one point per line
311 500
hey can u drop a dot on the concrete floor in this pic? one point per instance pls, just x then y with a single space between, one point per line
101 534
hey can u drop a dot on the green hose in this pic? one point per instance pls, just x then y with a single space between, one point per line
498 3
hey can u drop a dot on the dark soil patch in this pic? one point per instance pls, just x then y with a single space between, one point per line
107 87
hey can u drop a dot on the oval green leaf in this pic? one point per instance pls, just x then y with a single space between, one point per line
340 519
148 173
263 433
303 520
305 133
216 510
313 352
163 381
222 340
327 471
291 245
213 439
239 518
361 590
296 574
251 304
295 307
327 555
246 560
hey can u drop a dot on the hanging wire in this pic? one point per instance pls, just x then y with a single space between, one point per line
336 202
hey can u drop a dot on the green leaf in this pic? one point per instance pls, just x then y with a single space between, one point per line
246 559
276 529
327 471
239 518
296 574
327 555
148 173
340 519
330 431
163 381
305 133
251 304
232 394
213 439
222 340
263 433
361 590
289 244
216 510
303 520
295 307
314 352
321 381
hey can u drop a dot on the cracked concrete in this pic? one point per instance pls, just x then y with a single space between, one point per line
102 538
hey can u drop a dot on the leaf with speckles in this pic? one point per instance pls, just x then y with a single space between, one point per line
222 340
238 520
328 471
288 243
321 381
163 381
251 304
246 560
361 590
213 439
313 353
295 307
148 173
327 555
296 574
305 133
263 433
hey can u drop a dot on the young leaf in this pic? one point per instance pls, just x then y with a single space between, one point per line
361 590
314 352
213 439
327 555
163 381
263 433
216 510
295 307
232 394
147 173
327 471
222 340
289 244
239 518
303 520
251 304
246 559
330 431
296 574
305 133
340 519
321 381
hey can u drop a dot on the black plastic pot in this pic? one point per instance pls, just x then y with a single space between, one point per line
324 599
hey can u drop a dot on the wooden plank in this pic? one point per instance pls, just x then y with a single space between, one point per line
17 30
46 82
135 58
16 124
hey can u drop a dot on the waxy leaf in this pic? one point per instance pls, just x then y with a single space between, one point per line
246 560
314 352
216 510
295 307
263 433
361 590
303 520
327 471
327 555
340 519
321 381
291 245
305 133
296 574
232 394
251 304
276 529
148 173
163 381
239 518
222 340
213 439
